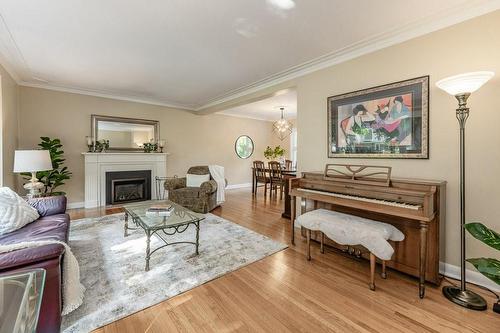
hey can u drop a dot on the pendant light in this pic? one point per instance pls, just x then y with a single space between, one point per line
282 127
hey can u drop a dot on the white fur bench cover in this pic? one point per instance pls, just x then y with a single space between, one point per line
347 229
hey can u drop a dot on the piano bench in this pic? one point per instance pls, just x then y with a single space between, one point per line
352 230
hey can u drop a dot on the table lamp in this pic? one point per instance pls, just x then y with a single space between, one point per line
461 86
32 161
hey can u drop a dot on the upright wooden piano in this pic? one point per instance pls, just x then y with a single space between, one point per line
416 207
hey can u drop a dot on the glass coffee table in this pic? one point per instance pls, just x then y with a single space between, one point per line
162 226
20 299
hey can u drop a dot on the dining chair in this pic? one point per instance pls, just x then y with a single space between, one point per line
276 178
288 164
260 175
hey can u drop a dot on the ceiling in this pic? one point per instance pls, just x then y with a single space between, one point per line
268 108
194 54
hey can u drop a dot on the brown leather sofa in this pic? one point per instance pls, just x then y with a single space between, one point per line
201 199
52 224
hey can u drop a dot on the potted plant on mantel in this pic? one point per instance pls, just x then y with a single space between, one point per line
54 178
150 147
275 153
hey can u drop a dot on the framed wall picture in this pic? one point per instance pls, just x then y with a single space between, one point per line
389 121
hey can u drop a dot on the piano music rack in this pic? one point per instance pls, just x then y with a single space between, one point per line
360 174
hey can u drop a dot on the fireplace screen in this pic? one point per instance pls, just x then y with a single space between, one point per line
128 190
127 186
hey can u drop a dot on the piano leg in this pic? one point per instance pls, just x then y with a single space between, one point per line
322 242
303 204
423 256
293 208
308 232
373 264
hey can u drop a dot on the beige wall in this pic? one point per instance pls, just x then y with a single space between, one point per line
470 46
191 139
9 128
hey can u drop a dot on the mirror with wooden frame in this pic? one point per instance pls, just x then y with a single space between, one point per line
125 134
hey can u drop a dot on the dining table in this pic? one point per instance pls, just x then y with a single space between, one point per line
287 175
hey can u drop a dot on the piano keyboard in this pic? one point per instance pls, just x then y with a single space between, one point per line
365 199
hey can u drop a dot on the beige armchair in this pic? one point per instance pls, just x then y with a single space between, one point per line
201 199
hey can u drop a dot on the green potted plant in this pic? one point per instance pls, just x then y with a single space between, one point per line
273 153
150 147
269 153
489 267
56 177
279 152
102 145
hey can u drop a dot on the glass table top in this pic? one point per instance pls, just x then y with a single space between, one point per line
178 216
20 298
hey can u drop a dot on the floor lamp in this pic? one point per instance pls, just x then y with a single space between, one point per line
461 86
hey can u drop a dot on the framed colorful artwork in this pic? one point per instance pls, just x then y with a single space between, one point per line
389 121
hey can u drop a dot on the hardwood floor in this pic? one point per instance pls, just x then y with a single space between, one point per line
286 293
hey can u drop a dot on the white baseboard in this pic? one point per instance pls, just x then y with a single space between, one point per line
73 205
475 277
234 186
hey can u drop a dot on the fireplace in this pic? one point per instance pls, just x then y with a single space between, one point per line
128 186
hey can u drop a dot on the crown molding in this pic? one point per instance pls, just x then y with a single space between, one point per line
97 93
432 23
222 113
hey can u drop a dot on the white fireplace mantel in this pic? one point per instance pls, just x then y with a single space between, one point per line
97 164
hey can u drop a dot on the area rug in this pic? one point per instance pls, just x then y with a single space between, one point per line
112 266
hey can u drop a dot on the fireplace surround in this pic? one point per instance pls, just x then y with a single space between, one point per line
98 164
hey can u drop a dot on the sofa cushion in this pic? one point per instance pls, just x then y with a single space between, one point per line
49 205
54 227
186 192
196 180
199 170
15 212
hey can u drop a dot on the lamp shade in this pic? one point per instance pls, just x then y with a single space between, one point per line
464 83
32 160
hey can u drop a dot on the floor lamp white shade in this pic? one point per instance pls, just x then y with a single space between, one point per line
465 83
32 161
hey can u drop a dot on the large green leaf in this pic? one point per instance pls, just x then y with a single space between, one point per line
489 267
485 235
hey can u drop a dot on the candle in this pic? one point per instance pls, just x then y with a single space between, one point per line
89 140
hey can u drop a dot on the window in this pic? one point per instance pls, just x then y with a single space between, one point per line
244 146
293 146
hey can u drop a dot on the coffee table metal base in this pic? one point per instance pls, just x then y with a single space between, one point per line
176 223
125 233
162 233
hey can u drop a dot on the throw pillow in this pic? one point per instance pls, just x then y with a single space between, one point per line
15 212
196 180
